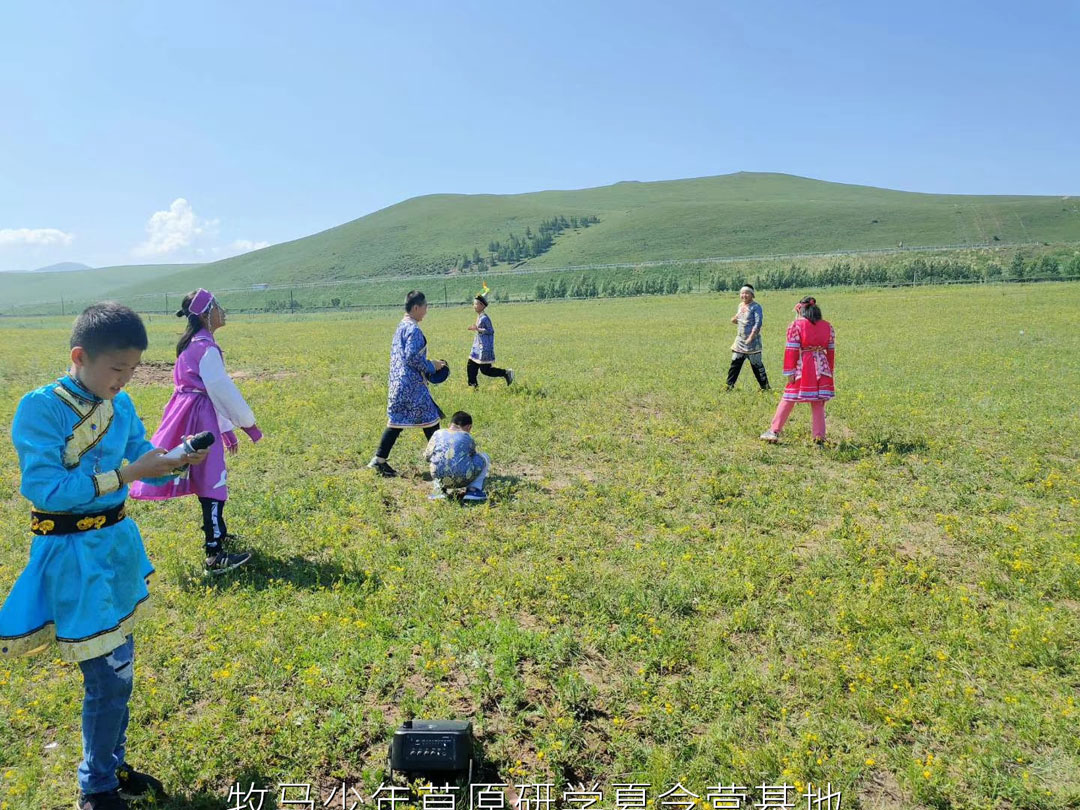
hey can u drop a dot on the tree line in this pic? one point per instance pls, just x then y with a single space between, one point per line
919 270
519 248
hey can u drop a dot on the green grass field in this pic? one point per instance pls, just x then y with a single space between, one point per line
651 595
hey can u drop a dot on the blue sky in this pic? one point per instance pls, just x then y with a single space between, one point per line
137 132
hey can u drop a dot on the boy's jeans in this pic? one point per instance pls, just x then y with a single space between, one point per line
476 483
107 682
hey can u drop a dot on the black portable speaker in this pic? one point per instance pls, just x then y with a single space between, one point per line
432 747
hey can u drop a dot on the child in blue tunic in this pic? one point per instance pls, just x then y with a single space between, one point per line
84 585
455 463
482 356
409 403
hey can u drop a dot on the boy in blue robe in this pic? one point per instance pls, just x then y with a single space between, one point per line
455 462
482 355
84 586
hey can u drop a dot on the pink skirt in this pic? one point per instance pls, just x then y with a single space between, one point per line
186 414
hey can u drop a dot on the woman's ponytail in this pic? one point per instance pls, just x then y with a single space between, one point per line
194 323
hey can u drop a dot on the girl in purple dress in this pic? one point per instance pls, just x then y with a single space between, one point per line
204 398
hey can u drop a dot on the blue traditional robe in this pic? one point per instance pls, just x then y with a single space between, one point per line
483 347
409 403
453 458
86 590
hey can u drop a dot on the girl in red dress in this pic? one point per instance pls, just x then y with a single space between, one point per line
809 361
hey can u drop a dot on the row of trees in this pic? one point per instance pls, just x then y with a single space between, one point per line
583 287
839 273
519 248
920 270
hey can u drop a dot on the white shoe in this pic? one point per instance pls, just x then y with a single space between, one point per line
770 437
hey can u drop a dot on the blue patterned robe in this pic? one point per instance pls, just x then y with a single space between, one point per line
453 458
85 590
409 403
483 347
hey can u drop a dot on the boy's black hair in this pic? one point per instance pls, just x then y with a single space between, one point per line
108 327
461 419
481 299
750 286
414 298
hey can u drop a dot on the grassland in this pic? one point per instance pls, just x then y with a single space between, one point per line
651 595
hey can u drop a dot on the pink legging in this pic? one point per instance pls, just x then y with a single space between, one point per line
817 417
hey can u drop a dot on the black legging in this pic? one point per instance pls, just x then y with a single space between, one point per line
736 366
486 369
213 517
390 435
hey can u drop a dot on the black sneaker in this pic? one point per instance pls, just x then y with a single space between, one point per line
109 800
135 785
382 468
223 561
509 376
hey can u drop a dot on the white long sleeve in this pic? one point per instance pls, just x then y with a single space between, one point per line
228 401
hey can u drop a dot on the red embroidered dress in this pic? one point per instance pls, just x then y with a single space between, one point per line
809 360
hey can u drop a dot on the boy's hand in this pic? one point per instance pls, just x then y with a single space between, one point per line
734 318
439 364
472 328
198 457
152 465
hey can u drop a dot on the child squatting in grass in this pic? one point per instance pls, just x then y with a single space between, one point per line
85 584
455 462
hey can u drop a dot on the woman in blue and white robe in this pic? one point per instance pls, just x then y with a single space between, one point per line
409 403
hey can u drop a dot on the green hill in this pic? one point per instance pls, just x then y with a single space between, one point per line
743 214
732 215
46 291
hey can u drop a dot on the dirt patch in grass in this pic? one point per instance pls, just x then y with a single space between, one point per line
153 372
261 376
160 372
551 479
881 791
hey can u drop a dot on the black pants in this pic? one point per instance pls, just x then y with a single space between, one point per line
758 369
486 369
390 436
213 523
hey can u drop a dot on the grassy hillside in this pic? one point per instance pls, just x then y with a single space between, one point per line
19 289
732 215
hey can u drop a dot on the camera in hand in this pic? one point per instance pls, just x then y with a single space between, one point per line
200 441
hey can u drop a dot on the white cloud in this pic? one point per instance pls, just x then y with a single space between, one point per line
173 230
181 233
34 236
246 245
